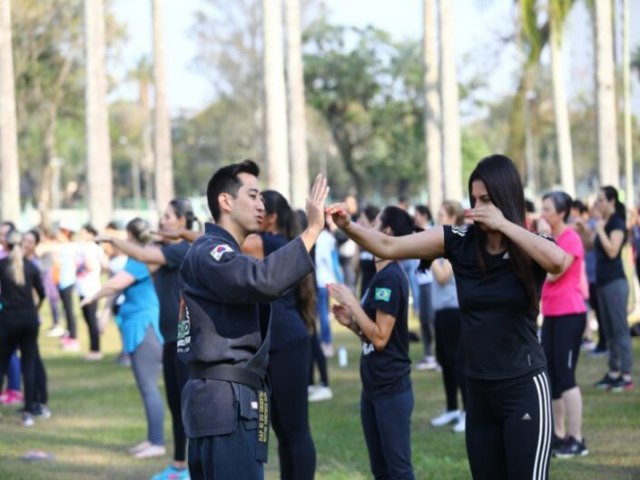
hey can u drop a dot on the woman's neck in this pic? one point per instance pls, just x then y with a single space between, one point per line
557 230
495 243
380 263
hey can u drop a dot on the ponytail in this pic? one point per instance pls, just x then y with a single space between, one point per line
16 259
610 193
183 209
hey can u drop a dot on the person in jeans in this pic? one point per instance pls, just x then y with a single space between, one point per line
381 322
613 289
139 314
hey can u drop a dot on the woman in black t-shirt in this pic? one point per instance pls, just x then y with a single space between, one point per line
19 323
293 317
381 321
499 268
613 289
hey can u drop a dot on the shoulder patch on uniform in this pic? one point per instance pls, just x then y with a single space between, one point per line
460 230
219 250
383 294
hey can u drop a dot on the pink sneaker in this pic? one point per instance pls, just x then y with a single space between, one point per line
70 345
11 397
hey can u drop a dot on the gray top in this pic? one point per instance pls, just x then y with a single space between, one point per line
444 296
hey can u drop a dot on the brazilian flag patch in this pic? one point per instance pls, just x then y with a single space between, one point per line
383 294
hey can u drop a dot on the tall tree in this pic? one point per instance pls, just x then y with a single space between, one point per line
450 103
277 149
162 123
9 168
99 175
608 160
558 11
297 115
626 97
432 114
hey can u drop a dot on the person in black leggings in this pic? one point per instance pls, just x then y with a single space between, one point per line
499 267
292 318
19 321
176 227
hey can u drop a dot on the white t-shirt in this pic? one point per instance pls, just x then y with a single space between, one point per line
88 273
325 248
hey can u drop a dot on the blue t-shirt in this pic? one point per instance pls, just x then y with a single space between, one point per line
609 269
140 308
387 371
287 327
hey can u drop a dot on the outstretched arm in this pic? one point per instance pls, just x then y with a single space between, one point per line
145 254
428 244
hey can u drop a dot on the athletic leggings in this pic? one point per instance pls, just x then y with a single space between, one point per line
90 314
561 339
288 370
66 295
426 318
17 330
146 362
318 358
593 303
448 354
176 374
42 391
508 429
613 298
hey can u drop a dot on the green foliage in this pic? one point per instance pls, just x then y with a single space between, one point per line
368 90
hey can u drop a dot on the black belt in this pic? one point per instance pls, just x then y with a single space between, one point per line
227 373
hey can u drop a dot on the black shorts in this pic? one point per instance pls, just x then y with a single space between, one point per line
561 339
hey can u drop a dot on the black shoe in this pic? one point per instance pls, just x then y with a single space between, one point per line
557 443
572 448
621 385
606 382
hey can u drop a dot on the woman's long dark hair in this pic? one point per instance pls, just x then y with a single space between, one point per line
183 209
288 225
400 222
610 193
504 186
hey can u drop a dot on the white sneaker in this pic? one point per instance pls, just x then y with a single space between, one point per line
460 426
427 363
151 451
55 332
446 418
320 393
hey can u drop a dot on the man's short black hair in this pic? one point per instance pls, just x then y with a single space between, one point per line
225 180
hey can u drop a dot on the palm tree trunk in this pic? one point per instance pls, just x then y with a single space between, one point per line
163 164
297 119
99 176
450 107
9 167
277 150
608 162
626 74
432 114
563 132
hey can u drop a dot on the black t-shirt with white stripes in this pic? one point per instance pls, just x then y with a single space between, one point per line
499 335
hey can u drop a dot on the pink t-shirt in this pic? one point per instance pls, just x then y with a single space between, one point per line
565 295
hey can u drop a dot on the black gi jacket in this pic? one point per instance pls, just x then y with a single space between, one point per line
227 287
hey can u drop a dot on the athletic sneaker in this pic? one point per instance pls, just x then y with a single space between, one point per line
446 418
605 383
557 443
427 363
55 332
11 397
69 344
42 412
572 448
320 393
461 424
172 473
27 419
151 451
621 385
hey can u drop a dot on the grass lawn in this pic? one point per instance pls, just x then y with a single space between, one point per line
97 416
